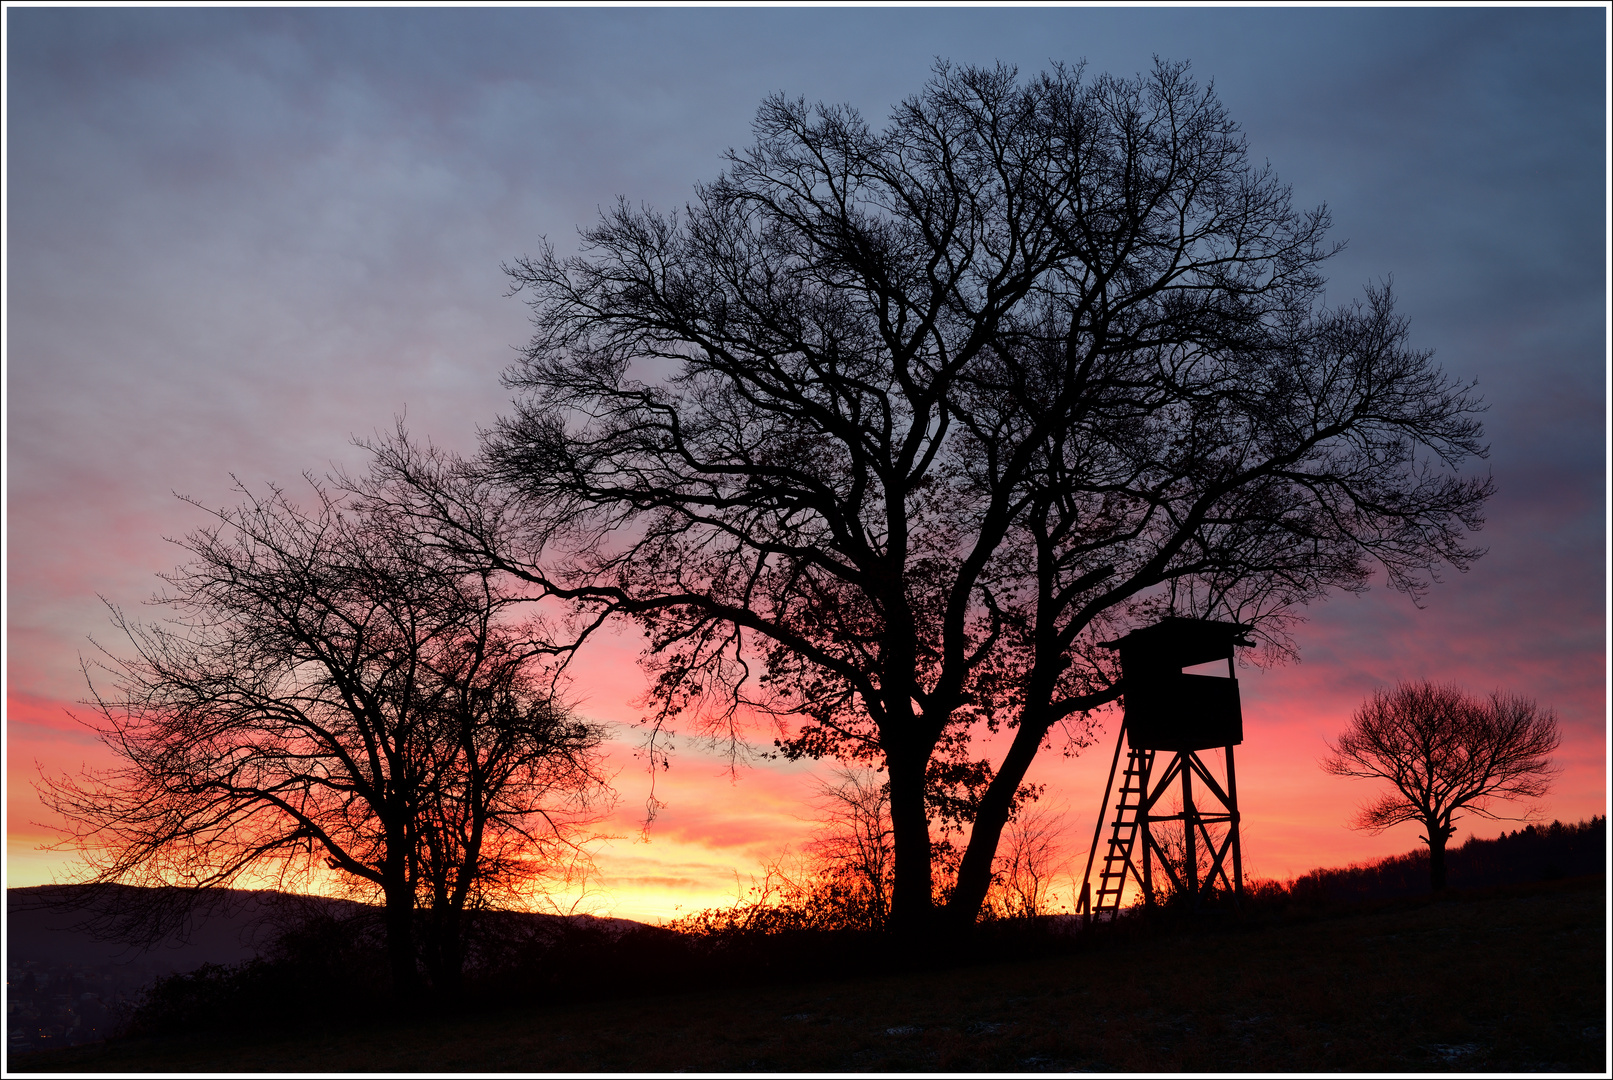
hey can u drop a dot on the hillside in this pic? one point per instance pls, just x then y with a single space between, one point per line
44 927
1500 980
1534 853
70 986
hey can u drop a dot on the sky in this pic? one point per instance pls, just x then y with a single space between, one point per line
238 239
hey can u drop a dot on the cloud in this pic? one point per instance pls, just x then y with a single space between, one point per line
237 238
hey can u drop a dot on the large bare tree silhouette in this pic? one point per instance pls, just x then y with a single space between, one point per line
883 432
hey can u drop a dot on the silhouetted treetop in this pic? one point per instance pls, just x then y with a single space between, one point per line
885 429
331 696
1443 750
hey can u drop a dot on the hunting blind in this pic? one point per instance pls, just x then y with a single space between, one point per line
1176 714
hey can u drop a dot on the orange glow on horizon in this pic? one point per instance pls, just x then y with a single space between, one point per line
716 831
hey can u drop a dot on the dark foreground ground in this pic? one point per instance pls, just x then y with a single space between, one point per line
1504 980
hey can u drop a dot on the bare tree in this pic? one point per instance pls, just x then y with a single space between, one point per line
1444 750
1173 852
887 429
851 852
331 697
1028 860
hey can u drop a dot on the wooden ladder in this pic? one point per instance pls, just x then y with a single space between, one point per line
1117 864
1117 861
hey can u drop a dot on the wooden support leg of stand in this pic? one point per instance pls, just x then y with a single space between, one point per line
1147 837
1189 832
1236 826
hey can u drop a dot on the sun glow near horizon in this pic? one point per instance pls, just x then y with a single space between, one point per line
720 825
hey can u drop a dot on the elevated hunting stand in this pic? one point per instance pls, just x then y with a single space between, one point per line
1180 714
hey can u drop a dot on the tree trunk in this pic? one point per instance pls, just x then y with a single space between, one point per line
1436 858
399 916
912 904
974 872
445 951
400 938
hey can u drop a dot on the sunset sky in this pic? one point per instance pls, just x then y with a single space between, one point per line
238 239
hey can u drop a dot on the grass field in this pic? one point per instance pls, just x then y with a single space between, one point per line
1505 980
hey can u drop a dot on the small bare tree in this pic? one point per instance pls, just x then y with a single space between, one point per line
1171 836
1444 750
1028 860
853 849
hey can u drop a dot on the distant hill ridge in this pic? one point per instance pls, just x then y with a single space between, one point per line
44 928
1533 853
